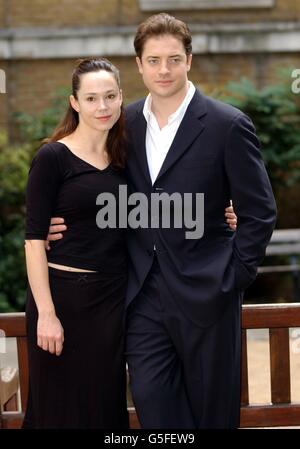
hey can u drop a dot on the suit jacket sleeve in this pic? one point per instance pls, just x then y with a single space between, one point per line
252 198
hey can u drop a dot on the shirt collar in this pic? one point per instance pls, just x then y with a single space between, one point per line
180 111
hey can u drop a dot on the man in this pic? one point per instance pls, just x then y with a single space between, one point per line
184 295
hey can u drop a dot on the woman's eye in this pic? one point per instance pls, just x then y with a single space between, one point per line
111 96
90 98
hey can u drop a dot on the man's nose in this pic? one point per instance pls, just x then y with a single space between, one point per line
164 68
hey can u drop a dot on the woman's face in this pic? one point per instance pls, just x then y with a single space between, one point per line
98 100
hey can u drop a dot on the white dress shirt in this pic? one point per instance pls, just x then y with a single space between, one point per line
158 141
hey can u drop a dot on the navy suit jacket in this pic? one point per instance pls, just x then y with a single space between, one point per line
215 152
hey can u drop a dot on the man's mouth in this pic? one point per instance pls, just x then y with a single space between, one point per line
165 82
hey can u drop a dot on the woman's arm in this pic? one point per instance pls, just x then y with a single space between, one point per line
50 333
44 180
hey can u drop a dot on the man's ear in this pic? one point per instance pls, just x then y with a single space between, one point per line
189 61
139 64
74 103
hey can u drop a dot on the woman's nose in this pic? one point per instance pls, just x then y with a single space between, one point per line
102 104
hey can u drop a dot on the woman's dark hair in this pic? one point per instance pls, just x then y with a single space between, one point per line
116 136
159 25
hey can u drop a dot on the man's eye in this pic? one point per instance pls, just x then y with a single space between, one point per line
175 60
111 96
152 61
90 98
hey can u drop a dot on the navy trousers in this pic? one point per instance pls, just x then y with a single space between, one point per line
181 375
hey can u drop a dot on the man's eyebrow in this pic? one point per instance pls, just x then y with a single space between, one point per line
170 56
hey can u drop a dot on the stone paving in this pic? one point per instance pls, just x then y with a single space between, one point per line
259 365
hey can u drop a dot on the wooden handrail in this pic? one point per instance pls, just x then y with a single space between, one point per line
278 318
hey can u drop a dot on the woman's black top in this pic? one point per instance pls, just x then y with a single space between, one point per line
61 184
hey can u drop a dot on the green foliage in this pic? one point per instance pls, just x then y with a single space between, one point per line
37 128
275 111
12 264
14 163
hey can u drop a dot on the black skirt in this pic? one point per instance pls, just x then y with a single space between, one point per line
84 387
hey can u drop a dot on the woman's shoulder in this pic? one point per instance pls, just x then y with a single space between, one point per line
49 155
50 149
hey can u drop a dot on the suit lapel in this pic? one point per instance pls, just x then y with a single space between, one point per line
139 128
188 131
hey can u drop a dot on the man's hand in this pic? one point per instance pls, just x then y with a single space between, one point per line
231 218
56 227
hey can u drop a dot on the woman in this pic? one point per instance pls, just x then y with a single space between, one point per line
76 291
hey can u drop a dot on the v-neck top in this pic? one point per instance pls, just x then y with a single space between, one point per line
61 184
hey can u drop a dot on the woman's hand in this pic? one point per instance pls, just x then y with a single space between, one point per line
50 333
231 218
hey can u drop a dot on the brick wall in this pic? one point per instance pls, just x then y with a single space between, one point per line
284 10
24 13
2 15
214 71
32 82
43 13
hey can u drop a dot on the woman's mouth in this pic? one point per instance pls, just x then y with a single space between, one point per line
103 118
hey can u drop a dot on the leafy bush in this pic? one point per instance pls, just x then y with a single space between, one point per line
35 128
14 163
275 111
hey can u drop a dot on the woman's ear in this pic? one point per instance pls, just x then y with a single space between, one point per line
74 103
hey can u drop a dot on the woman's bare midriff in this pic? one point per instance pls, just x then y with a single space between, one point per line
66 268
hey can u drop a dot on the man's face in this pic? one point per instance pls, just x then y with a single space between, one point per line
164 66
